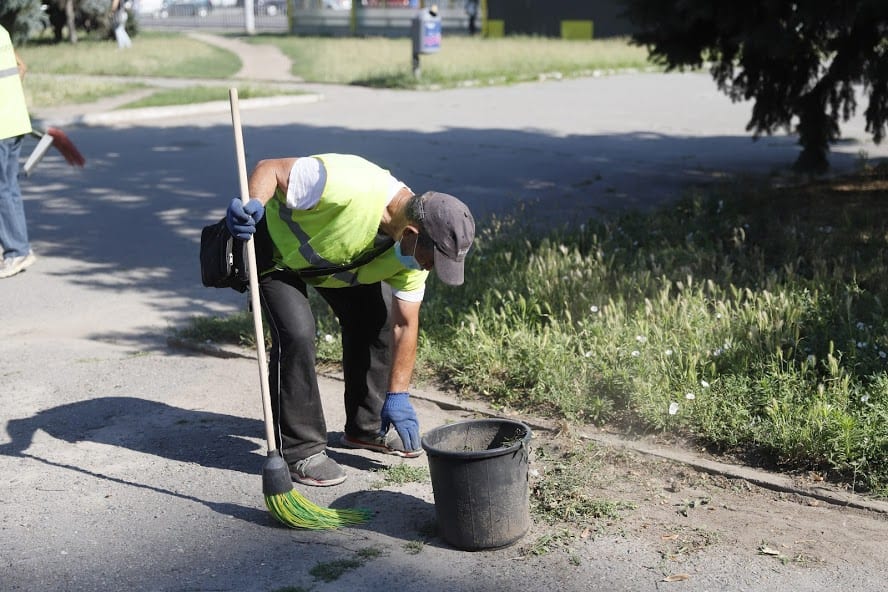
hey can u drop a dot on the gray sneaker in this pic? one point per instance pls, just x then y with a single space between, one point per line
388 444
318 470
13 265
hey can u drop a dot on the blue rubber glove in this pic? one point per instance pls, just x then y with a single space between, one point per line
397 410
241 219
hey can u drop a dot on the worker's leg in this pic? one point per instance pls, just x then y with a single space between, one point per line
363 313
296 400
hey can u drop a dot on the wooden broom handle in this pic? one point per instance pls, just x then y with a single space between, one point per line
255 303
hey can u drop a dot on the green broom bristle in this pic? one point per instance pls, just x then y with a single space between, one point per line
296 511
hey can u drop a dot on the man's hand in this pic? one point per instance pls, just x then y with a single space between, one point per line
241 219
397 410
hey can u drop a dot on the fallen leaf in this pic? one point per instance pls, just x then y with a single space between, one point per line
669 537
585 534
676 578
766 550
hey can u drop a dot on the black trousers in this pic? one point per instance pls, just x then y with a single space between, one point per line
364 317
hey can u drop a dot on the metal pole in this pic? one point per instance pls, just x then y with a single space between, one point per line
249 18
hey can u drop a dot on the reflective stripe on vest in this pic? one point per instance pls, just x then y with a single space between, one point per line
308 253
9 72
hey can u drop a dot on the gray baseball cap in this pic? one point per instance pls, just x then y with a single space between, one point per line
449 224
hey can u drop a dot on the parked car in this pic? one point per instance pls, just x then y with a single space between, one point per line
270 7
199 8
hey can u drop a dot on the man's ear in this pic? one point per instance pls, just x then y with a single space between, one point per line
412 228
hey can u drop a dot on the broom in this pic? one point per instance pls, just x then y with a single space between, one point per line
58 139
285 503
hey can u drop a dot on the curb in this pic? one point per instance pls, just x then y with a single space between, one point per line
126 116
766 479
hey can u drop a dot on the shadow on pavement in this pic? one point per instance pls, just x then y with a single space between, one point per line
212 440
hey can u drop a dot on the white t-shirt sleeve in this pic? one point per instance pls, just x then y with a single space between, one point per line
307 180
411 295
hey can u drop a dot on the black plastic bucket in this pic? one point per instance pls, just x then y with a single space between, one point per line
479 470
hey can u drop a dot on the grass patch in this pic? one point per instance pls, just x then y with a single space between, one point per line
377 62
203 94
748 317
382 62
45 91
157 54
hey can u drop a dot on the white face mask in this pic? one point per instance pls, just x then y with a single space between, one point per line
408 261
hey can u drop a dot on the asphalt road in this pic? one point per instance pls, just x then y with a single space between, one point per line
130 465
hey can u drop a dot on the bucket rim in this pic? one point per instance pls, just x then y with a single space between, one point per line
477 454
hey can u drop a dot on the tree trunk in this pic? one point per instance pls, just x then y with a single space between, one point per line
72 27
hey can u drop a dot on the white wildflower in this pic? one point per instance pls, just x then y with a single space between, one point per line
640 338
593 308
704 384
812 359
588 354
673 408
864 399
690 396
861 325
635 353
328 338
882 354
668 352
861 344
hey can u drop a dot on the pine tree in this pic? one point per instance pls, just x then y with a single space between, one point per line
796 60
22 19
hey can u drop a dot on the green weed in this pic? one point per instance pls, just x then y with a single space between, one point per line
203 94
559 493
401 475
330 571
413 547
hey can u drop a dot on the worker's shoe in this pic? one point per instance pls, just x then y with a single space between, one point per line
318 470
388 444
13 265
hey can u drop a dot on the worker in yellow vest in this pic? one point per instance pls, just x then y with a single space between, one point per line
14 124
366 243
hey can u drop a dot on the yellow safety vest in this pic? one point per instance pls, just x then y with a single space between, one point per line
340 228
14 120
